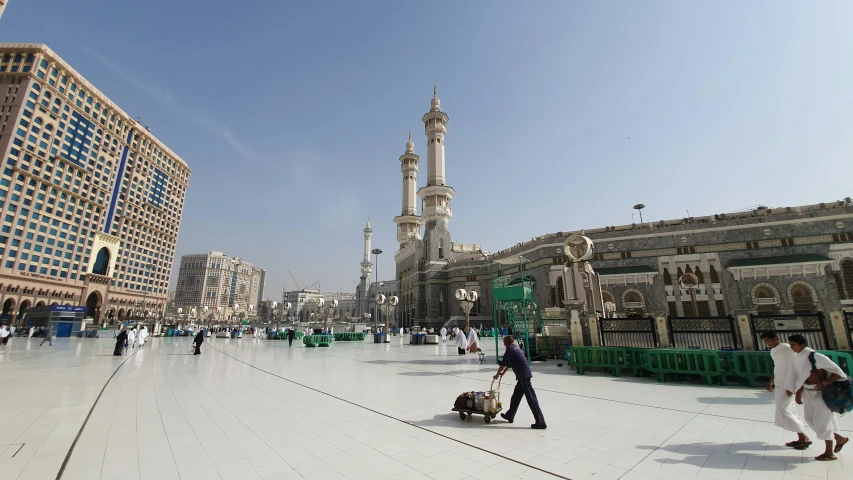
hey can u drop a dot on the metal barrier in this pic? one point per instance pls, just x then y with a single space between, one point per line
710 333
809 325
628 332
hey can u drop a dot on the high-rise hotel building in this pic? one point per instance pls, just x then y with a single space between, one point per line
214 284
91 200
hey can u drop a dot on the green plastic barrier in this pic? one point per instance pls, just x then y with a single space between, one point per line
704 363
750 365
487 333
609 358
317 340
637 360
282 335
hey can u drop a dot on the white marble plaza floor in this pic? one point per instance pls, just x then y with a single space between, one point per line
255 409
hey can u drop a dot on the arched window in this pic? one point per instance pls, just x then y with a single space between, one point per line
764 292
561 292
699 275
801 298
847 274
102 262
667 278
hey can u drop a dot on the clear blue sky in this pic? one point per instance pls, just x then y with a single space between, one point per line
563 114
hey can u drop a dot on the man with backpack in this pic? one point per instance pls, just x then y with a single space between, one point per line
816 373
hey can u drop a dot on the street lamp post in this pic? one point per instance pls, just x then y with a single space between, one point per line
466 302
386 303
376 252
690 282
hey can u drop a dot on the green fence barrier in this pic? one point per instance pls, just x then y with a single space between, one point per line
609 358
750 365
704 363
350 336
637 360
317 340
486 333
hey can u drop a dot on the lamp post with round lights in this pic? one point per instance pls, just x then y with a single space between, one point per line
467 298
639 208
690 282
386 304
376 252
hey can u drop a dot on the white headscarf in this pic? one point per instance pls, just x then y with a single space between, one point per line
472 336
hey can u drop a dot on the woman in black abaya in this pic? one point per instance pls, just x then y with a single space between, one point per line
121 339
199 339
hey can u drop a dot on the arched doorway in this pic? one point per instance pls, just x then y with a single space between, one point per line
40 304
25 305
93 306
633 303
8 308
121 314
102 262
111 315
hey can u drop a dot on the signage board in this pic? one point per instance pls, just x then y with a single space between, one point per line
788 324
68 308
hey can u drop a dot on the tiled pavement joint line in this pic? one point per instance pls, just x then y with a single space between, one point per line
533 467
57 350
88 415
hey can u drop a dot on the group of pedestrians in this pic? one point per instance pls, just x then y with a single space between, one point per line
801 375
7 332
464 344
127 339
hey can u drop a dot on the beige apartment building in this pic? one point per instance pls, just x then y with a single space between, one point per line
91 200
218 286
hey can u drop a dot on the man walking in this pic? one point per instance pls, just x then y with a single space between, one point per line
4 335
291 334
514 358
781 383
47 337
807 365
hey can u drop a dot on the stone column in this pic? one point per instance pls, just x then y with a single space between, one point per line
575 327
663 331
836 320
745 332
595 337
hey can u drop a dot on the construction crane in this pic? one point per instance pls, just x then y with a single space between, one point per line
315 283
294 280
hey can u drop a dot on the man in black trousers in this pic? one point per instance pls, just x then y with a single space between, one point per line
514 358
291 334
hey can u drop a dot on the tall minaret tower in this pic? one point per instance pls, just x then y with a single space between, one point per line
436 195
366 269
408 222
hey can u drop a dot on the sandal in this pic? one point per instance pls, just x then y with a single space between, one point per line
802 445
839 446
793 444
826 457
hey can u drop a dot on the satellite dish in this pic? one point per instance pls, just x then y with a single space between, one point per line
461 294
471 296
333 303
380 299
393 301
578 248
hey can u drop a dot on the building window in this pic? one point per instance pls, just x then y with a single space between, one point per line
715 278
667 278
673 309
721 308
847 272
801 297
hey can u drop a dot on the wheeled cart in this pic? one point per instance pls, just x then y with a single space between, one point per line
491 406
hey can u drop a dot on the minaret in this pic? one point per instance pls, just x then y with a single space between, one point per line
366 269
409 223
436 195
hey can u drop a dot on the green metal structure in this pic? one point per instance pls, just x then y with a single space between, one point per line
515 307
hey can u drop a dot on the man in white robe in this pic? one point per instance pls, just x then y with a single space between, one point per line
781 384
131 338
443 334
143 333
461 342
473 340
808 386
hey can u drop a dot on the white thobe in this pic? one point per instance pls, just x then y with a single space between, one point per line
461 341
32 330
473 339
818 416
786 411
131 338
143 334
443 334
